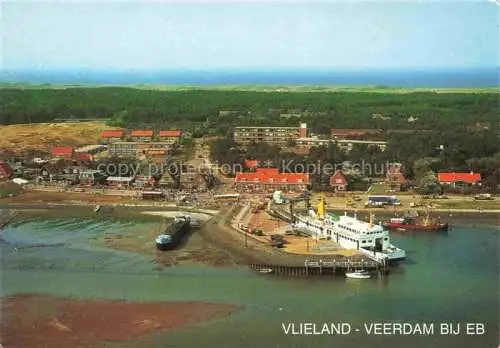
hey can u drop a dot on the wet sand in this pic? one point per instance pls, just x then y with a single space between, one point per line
35 321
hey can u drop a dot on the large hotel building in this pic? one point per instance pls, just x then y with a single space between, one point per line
271 135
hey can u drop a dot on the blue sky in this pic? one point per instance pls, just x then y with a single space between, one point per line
282 34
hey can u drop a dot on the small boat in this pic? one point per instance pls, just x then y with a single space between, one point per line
358 274
265 270
97 208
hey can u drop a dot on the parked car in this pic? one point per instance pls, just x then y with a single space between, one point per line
483 197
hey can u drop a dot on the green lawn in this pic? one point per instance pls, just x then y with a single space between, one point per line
467 204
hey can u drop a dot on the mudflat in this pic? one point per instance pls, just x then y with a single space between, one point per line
32 320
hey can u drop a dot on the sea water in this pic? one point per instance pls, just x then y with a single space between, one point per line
431 78
448 278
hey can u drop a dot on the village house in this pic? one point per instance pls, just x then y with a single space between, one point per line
172 137
192 181
89 152
394 178
123 149
167 181
142 136
65 152
270 179
298 150
338 182
352 133
84 157
142 181
60 171
153 195
91 177
251 164
6 172
458 179
157 151
157 156
347 145
110 136
119 181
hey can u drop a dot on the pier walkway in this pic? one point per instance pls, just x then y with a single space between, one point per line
314 266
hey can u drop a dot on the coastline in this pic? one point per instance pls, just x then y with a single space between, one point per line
144 206
216 242
248 87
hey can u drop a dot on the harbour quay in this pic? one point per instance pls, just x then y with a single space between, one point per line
315 265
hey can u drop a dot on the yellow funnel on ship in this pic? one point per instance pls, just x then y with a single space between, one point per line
321 210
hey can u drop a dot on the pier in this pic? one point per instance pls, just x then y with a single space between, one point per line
319 266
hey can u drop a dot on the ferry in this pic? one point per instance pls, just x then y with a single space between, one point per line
350 233
174 233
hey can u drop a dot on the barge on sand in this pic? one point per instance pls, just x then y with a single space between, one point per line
174 233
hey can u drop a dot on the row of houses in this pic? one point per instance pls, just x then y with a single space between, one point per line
157 152
83 154
171 136
185 181
266 179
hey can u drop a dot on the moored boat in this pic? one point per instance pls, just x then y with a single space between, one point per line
410 224
358 274
414 223
265 270
350 233
174 233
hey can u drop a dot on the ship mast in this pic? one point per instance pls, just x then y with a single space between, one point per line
426 221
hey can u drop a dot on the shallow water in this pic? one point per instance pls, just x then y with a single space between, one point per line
447 278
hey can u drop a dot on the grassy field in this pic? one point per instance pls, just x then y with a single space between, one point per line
43 136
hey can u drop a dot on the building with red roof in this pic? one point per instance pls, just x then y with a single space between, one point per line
338 181
270 179
84 157
250 164
65 152
461 178
141 135
111 135
172 136
6 171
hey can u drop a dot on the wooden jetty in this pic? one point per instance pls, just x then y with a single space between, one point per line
317 266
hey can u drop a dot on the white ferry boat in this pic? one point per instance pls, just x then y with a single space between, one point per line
350 233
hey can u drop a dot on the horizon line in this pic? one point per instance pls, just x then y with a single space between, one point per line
247 69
